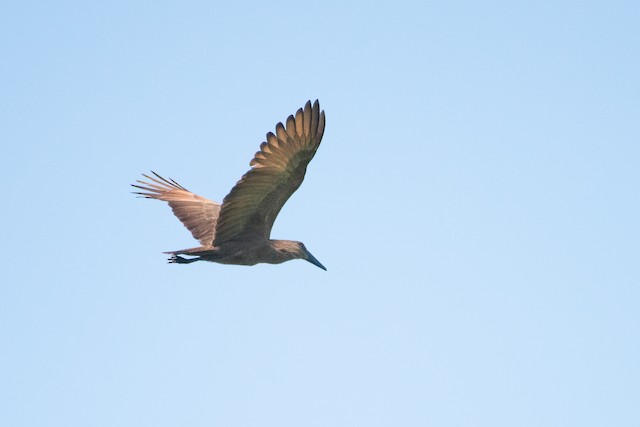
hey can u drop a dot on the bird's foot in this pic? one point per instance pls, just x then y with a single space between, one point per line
176 259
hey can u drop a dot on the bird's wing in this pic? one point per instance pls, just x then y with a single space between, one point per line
198 214
277 170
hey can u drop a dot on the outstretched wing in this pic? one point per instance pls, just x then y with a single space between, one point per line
277 170
198 214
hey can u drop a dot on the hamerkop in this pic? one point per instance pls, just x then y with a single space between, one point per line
238 231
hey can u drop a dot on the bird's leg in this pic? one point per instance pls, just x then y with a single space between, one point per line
175 259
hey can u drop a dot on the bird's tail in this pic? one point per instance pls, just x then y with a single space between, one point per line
199 251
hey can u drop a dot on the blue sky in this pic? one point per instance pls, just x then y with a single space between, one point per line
475 201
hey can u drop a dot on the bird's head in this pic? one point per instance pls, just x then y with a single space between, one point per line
296 250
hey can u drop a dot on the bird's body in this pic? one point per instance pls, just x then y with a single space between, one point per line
243 252
238 230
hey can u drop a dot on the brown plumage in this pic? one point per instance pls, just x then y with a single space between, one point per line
238 231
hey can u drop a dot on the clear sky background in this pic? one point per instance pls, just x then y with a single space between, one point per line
475 201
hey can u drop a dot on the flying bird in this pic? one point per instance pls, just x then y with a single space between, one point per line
238 231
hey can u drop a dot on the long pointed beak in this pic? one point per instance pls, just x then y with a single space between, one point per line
314 261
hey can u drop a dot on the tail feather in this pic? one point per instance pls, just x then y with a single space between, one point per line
201 250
